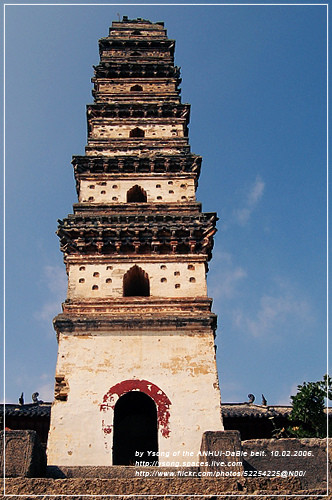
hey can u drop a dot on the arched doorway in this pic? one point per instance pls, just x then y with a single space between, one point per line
118 390
136 88
136 132
136 195
136 283
135 429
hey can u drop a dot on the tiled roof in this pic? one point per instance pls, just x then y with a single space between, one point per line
229 410
28 410
254 411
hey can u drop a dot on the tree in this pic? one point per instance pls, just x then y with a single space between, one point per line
308 416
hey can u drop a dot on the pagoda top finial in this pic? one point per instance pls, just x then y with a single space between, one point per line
140 20
132 28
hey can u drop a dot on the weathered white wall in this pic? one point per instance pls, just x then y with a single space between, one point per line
171 279
160 54
177 190
104 130
182 365
115 87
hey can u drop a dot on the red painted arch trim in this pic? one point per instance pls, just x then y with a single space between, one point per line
159 397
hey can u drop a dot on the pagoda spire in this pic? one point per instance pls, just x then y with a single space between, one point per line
136 368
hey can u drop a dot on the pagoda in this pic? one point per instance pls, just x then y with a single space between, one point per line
136 375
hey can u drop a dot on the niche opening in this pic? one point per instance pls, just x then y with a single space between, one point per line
136 195
136 283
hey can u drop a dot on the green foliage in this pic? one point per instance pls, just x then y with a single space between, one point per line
326 385
308 417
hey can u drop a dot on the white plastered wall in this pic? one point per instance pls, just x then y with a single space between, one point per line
182 365
104 130
171 279
115 87
157 189
160 54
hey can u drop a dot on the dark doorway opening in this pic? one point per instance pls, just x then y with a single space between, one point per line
136 283
136 195
136 88
135 429
136 132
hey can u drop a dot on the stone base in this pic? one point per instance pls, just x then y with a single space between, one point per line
305 458
24 455
221 451
308 455
155 488
119 472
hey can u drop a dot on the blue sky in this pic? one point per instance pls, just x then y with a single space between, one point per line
255 77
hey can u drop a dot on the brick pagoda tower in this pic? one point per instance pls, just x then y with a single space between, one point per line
136 367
